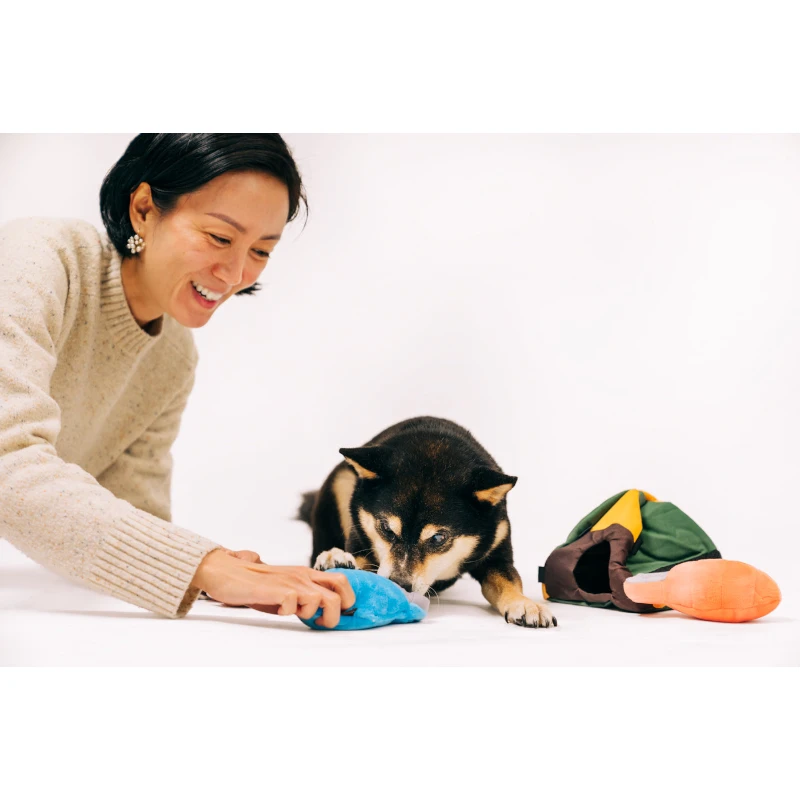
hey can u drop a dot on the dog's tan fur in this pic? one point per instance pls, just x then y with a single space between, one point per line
442 566
495 494
502 532
379 546
505 594
363 472
344 485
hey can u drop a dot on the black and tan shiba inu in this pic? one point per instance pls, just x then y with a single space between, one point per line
422 503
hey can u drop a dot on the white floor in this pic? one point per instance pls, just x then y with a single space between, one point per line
46 620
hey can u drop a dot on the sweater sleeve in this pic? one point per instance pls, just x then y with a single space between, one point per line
142 475
54 511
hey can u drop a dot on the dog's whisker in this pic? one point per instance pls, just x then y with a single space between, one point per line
359 552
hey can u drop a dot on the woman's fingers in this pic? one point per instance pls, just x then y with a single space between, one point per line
331 604
289 604
331 611
308 603
331 581
240 578
336 582
320 598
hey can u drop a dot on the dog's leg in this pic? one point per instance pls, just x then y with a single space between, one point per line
335 557
502 587
330 519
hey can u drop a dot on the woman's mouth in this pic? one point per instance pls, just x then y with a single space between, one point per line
205 297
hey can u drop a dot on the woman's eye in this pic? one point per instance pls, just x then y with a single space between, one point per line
438 539
221 240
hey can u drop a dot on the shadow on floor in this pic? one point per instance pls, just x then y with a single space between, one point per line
253 623
28 578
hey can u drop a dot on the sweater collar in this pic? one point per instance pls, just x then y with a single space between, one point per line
125 330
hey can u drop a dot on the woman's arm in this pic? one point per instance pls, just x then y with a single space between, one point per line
142 475
55 512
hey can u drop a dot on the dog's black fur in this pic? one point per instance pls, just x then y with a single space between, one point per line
422 503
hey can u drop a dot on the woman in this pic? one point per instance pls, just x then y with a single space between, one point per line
97 361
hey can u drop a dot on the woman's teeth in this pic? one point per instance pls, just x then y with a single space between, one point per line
207 293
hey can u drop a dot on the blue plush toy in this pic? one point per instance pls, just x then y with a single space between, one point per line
379 601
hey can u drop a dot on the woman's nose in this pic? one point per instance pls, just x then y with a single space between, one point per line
230 271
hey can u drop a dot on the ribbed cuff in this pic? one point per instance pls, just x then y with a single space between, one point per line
150 563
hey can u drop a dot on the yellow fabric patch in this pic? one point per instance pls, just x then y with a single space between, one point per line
626 512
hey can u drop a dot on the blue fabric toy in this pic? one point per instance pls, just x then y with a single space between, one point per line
379 601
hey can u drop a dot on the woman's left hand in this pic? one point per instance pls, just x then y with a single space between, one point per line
245 555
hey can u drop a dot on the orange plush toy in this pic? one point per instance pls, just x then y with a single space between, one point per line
712 589
641 555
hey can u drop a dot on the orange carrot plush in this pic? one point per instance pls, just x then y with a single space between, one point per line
712 589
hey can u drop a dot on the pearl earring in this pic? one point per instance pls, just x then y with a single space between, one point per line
135 243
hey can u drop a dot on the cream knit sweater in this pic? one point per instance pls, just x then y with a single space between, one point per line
90 404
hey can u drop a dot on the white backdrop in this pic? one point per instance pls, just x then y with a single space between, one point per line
602 312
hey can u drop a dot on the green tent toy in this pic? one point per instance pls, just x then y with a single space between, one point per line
630 534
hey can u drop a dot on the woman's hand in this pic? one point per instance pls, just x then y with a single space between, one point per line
240 578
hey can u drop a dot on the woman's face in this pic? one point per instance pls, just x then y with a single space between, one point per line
217 240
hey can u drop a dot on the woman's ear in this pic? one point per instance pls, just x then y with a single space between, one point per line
141 208
490 486
369 463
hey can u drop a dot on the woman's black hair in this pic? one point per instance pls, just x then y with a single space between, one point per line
175 164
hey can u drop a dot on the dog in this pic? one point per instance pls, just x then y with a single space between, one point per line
422 503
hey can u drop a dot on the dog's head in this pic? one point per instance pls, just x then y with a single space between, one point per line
426 508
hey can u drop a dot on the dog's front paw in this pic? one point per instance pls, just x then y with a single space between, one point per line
335 558
528 614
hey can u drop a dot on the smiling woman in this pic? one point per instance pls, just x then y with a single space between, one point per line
98 360
195 259
221 201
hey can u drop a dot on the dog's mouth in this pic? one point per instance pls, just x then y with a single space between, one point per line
414 587
417 596
408 582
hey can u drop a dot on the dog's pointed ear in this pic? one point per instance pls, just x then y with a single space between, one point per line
490 486
369 463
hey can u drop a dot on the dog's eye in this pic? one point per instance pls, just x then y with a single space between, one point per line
386 530
438 539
